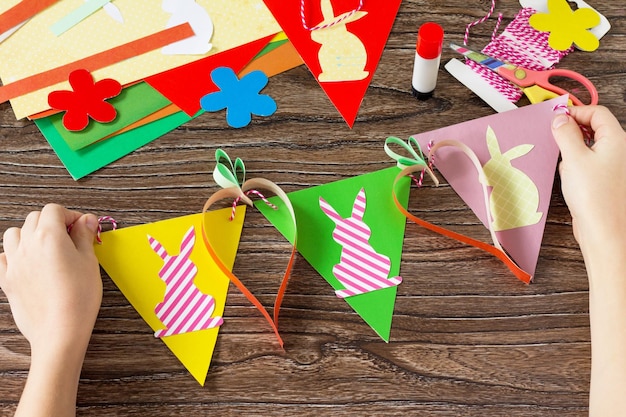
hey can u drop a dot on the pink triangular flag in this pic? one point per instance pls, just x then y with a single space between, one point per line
519 156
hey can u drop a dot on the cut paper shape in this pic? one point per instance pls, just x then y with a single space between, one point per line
542 6
514 196
35 51
128 259
94 62
132 104
77 15
528 124
361 269
113 11
187 84
188 11
370 31
567 26
315 230
240 97
88 99
342 55
87 160
184 307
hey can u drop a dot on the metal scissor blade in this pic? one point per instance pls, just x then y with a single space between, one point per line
480 58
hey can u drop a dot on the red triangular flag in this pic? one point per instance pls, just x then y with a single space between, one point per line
339 42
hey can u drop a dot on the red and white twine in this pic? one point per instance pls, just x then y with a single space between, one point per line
247 193
520 44
105 219
327 25
420 181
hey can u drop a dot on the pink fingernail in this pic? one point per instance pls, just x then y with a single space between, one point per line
559 120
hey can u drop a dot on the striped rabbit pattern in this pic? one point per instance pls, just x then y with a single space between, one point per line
360 269
184 307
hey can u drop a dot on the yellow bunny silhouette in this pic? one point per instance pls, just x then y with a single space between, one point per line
514 198
342 55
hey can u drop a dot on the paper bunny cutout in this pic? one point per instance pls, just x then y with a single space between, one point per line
514 198
184 307
188 11
342 55
360 269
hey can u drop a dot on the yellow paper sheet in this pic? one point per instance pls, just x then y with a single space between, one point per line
126 255
34 48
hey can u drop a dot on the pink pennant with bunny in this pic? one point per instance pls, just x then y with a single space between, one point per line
184 307
508 177
361 269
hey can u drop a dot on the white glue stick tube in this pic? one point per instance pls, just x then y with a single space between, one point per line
427 58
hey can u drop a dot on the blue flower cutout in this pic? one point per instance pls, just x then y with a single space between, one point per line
240 97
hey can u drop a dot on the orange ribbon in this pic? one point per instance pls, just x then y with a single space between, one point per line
496 250
234 192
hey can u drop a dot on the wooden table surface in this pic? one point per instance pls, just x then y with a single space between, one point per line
467 337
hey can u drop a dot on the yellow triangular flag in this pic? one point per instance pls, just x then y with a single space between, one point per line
130 261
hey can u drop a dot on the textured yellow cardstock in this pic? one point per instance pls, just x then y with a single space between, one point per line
126 256
34 48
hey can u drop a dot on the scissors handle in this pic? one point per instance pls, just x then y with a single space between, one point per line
527 78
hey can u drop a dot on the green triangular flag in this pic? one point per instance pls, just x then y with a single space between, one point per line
315 229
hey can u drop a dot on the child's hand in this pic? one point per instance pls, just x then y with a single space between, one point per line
52 279
593 179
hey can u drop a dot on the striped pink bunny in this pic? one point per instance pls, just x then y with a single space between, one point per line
184 307
360 269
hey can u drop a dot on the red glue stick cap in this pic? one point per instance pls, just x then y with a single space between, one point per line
429 40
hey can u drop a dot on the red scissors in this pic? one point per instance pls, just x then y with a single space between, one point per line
535 84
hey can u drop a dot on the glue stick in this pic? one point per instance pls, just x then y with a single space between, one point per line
427 58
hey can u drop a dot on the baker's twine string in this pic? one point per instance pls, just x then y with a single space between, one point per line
519 44
247 193
419 181
101 220
327 25
482 20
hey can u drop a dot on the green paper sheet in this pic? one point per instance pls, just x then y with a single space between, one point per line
87 160
132 104
315 230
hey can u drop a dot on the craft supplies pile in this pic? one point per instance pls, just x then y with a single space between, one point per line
100 80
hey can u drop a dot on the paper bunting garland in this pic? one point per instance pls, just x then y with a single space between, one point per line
315 235
340 45
129 259
518 155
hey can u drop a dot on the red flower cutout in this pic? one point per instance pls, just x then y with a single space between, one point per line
87 100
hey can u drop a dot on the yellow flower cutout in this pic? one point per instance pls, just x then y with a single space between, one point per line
567 26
